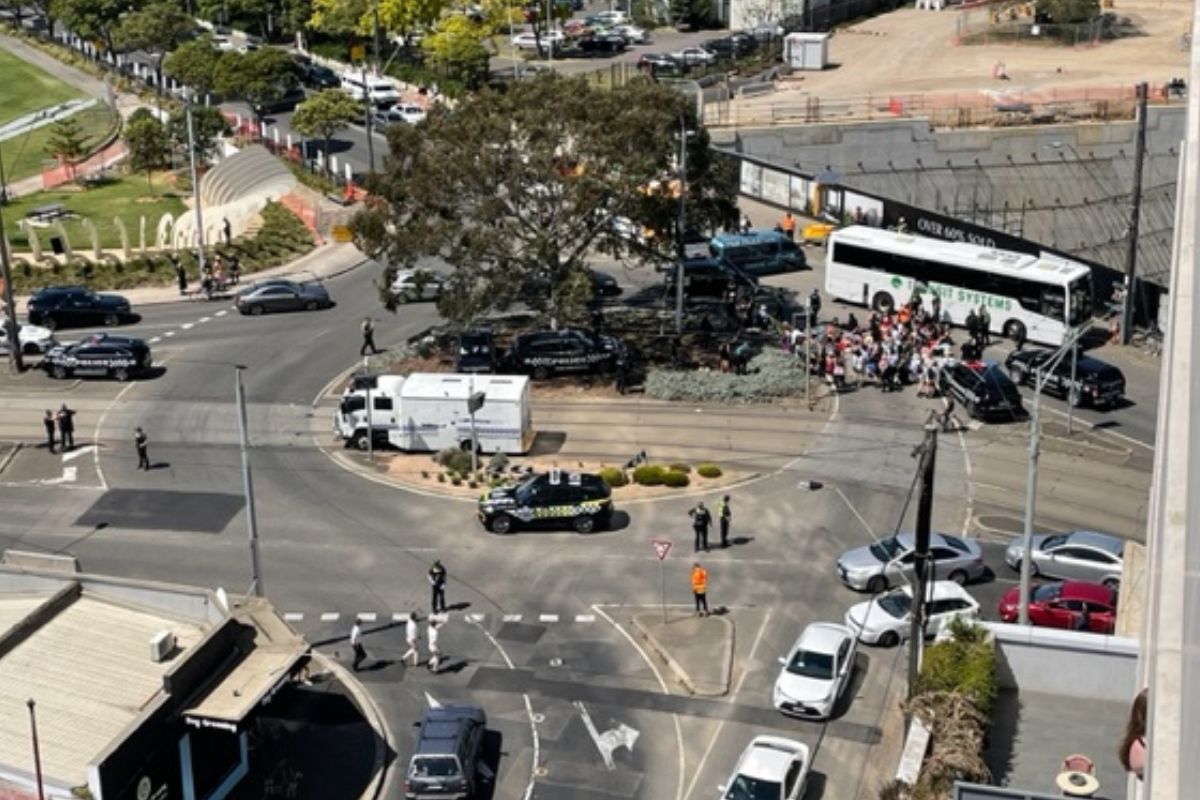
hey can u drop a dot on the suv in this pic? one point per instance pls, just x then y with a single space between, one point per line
758 252
983 389
59 306
710 280
1097 382
550 499
547 353
476 351
120 357
446 757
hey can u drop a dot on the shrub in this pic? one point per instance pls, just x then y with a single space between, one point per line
613 476
454 460
457 481
441 477
773 374
966 664
708 471
424 473
679 466
675 479
649 475
497 462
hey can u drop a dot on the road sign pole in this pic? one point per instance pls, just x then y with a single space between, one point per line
662 583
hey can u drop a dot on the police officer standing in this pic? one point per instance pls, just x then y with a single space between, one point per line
368 336
140 441
48 422
66 427
701 519
814 303
437 588
725 515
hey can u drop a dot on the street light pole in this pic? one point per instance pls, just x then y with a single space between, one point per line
681 225
15 358
916 635
195 185
256 582
37 755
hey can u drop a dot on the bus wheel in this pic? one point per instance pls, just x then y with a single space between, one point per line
882 302
1015 330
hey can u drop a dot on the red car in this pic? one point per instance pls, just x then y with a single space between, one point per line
1061 605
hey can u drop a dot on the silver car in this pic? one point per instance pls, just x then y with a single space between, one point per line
1078 555
889 562
411 285
282 295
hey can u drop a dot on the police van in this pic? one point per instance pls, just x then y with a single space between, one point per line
554 499
759 252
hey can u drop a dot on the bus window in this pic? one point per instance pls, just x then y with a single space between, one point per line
1081 300
1053 303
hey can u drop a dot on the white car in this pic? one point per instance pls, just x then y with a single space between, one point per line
34 339
411 285
611 18
694 55
632 34
816 671
885 619
407 113
770 767
527 41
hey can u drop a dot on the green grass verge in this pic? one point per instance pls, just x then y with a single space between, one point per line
26 155
28 88
128 198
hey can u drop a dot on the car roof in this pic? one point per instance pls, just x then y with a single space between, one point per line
768 757
942 590
908 539
741 239
1084 590
1100 541
822 637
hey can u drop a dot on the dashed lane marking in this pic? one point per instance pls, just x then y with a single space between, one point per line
366 616
476 618
585 617
512 617
204 319
400 616
331 616
156 340
548 618
221 313
169 333
293 616
187 326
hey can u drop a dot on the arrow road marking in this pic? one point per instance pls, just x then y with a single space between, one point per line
611 739
68 476
77 453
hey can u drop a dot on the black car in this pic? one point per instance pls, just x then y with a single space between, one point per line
61 306
982 388
601 44
120 357
547 353
603 284
476 351
709 280
315 76
661 65
445 761
554 499
1097 383
286 100
724 49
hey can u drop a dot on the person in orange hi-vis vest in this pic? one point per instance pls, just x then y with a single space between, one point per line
700 589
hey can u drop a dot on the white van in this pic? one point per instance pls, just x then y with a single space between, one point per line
384 91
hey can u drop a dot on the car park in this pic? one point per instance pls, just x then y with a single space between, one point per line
34 339
476 351
1097 383
100 356
1062 604
412 285
885 619
555 499
406 113
281 295
761 252
890 561
569 350
770 767
62 306
816 671
446 758
983 389
1077 555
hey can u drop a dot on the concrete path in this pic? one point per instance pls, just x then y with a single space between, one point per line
43 117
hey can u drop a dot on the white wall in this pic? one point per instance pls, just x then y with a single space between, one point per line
1067 663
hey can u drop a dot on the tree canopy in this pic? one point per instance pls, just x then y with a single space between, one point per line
516 190
147 142
257 76
207 126
195 64
94 19
324 114
67 142
158 29
457 48
1067 12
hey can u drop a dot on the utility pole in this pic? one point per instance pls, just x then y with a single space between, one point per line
367 88
808 333
195 185
916 636
1135 212
682 224
16 361
256 582
37 754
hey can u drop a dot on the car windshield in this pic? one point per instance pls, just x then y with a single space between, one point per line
1053 541
1044 594
747 788
434 767
886 549
527 490
808 664
896 604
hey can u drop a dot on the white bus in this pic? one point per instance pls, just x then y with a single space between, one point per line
1039 298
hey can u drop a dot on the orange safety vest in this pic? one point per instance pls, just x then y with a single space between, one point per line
788 224
699 580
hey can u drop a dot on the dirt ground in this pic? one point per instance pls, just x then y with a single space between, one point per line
910 51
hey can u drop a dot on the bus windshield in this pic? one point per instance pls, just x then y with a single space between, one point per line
1081 300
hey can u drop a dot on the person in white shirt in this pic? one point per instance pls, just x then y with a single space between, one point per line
435 654
412 636
360 654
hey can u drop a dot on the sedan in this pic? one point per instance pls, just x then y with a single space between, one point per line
59 306
890 561
632 34
117 357
770 767
411 285
282 296
816 671
1063 605
1096 382
692 56
407 113
885 620
1078 555
34 339
527 41
603 284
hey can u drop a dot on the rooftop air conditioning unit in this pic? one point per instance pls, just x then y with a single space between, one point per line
161 646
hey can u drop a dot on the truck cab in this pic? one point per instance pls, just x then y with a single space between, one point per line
350 420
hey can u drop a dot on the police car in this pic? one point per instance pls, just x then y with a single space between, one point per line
547 353
102 355
552 499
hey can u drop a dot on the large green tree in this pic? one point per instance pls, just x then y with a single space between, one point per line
195 64
67 142
208 125
457 49
147 142
158 29
324 114
97 20
256 77
516 190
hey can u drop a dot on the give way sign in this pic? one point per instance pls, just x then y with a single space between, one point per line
661 547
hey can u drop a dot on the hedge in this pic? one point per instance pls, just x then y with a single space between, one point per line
708 470
675 479
613 476
772 374
649 475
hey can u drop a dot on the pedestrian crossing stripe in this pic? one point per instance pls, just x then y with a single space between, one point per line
403 616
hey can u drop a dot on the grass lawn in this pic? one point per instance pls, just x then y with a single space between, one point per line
26 155
28 89
128 198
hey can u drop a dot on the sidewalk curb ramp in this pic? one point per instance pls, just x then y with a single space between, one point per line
691 660
374 716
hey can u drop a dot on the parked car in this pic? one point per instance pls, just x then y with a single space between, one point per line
1061 605
258 298
546 353
1097 383
706 280
632 34
527 41
885 619
61 306
315 76
412 285
1078 555
603 284
119 357
724 48
34 339
578 500
286 100
694 56
607 19
661 65
816 671
476 351
890 561
407 113
983 390
770 767
445 760
601 44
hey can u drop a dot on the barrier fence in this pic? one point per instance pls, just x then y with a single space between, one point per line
98 161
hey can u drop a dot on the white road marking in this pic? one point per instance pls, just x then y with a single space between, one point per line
512 617
204 319
401 616
69 474
187 326
432 701
221 313
585 617
169 333
854 511
476 618
548 618
330 616
293 616
74 454
156 340
366 616
611 739
1097 429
